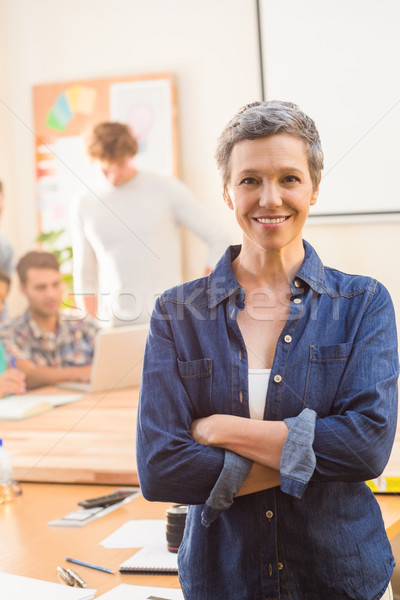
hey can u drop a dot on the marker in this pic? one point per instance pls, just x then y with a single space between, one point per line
85 564
12 362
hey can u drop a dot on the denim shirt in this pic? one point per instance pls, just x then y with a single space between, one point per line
333 380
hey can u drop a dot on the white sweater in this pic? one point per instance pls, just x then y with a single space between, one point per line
126 243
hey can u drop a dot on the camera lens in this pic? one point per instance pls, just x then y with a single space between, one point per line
176 518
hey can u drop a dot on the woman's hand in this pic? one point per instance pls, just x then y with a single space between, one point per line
12 382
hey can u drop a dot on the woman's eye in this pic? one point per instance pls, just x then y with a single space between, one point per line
291 179
248 181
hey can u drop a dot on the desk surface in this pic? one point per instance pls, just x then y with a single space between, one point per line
89 441
93 441
29 547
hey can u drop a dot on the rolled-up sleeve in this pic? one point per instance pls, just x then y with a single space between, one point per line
298 458
296 467
234 472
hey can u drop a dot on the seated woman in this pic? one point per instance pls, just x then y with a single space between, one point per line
12 381
269 392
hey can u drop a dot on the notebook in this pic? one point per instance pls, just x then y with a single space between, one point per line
155 560
14 408
117 360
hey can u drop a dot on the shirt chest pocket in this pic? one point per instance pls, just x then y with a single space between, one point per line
196 376
326 367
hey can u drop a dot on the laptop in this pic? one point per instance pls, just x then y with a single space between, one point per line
117 360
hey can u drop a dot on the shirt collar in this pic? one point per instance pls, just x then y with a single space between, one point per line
312 270
222 282
37 331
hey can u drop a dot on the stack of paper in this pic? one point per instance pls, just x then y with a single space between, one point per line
16 587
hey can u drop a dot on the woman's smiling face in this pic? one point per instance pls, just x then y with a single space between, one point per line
270 190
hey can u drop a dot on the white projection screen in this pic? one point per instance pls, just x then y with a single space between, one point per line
339 61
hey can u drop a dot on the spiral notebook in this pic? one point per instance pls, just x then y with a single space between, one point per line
155 560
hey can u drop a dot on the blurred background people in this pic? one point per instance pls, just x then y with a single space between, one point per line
48 345
126 236
12 381
5 282
7 254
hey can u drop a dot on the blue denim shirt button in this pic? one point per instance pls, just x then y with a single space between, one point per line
297 283
288 339
297 300
277 378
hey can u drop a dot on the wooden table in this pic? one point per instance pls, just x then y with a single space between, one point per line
30 547
89 441
93 441
390 507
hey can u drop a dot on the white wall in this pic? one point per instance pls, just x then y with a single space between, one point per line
210 45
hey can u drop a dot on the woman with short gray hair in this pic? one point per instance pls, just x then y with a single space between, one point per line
269 392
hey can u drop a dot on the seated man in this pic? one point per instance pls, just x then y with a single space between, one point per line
48 345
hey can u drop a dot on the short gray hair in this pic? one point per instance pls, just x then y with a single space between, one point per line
263 119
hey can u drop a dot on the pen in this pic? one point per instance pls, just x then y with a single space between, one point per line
12 362
85 564
65 576
77 578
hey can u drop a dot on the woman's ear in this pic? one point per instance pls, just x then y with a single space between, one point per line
314 196
227 198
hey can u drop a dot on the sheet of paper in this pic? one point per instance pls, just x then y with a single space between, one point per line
16 587
124 591
136 534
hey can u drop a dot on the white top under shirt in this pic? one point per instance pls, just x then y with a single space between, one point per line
258 385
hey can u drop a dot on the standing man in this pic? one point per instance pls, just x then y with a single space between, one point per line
48 345
126 237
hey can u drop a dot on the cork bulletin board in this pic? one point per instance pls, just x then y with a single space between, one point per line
64 112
